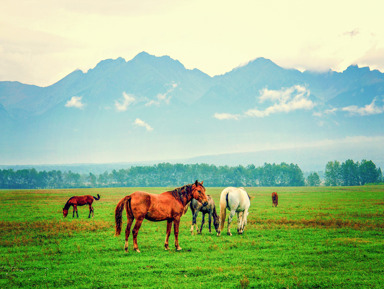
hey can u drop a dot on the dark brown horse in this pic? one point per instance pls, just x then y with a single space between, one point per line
168 206
210 209
80 201
275 199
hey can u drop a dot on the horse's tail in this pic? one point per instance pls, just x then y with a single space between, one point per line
119 214
97 198
223 208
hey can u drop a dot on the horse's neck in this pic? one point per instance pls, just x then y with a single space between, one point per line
67 205
182 195
214 214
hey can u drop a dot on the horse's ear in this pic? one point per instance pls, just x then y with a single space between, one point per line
196 183
202 182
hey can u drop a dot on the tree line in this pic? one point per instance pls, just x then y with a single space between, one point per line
174 175
350 173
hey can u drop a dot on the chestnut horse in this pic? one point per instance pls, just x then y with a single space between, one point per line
80 201
275 199
210 209
168 206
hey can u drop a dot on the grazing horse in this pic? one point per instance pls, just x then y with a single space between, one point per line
80 201
210 209
168 206
275 199
236 200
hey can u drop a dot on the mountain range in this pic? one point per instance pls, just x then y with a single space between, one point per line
153 109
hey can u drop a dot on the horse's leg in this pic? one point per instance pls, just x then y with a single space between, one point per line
240 217
135 232
77 212
90 210
244 220
169 227
210 221
202 223
176 224
127 231
230 217
194 216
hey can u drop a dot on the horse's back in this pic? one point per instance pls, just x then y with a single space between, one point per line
236 198
155 207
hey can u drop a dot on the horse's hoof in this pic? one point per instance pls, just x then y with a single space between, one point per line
199 232
229 234
179 249
166 248
137 250
218 234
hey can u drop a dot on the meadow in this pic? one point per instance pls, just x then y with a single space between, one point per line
318 237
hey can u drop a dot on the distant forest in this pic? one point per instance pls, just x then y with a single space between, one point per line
348 173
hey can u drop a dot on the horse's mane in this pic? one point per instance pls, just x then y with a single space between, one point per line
182 192
67 205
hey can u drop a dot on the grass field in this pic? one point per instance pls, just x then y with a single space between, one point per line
316 238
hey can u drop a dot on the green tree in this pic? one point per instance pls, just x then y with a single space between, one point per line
313 180
350 173
333 174
368 172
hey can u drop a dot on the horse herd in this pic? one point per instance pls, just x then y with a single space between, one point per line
170 206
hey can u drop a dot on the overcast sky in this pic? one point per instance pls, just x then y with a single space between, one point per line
41 41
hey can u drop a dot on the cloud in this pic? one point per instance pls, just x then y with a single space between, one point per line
222 116
127 100
75 101
141 123
285 100
368 109
163 97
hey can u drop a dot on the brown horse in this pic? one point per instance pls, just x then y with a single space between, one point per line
168 206
275 199
210 209
80 201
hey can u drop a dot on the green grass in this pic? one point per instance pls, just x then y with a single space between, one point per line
316 238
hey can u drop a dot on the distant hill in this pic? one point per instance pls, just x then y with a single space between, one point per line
153 108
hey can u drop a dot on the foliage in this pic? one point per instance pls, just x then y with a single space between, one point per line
350 173
163 174
313 180
318 237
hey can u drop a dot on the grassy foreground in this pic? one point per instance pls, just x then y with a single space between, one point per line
315 238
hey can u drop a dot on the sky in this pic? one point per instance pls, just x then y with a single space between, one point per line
42 41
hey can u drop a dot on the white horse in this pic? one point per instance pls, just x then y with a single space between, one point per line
236 200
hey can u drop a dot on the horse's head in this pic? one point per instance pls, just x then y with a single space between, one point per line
198 193
65 212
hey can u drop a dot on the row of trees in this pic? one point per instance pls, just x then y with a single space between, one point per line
173 175
350 173
160 175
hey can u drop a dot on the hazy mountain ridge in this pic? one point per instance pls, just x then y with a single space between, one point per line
124 109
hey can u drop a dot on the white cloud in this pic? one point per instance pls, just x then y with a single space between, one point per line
142 123
163 97
127 100
285 100
222 116
368 109
75 101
